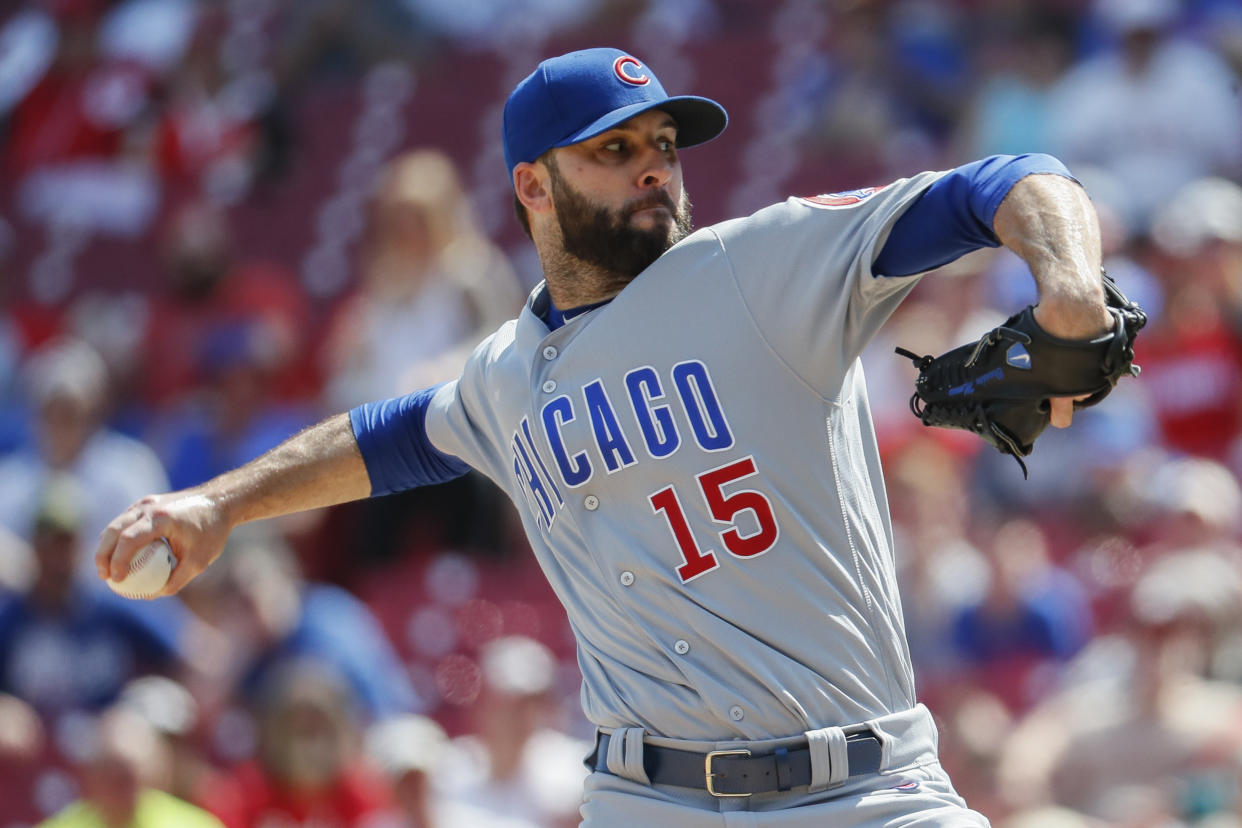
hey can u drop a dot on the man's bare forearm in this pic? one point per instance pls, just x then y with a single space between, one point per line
1050 222
319 466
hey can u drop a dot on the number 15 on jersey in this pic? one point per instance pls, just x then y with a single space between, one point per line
724 509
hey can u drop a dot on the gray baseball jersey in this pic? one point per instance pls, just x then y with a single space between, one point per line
696 470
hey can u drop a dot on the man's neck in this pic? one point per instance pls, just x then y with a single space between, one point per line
573 283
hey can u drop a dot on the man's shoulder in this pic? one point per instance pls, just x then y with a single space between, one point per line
810 215
495 347
810 201
494 358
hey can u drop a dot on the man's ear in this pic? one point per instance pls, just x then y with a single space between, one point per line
533 187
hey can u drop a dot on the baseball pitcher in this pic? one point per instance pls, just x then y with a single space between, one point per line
681 420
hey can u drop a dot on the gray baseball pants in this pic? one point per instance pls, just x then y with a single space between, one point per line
911 789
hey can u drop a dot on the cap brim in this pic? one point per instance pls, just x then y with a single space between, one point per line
699 120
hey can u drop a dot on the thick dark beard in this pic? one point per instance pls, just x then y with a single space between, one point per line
605 238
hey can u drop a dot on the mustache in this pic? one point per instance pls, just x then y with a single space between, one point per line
658 198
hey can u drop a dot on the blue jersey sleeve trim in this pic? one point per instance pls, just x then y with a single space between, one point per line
392 436
954 216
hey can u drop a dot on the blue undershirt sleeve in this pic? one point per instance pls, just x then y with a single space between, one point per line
392 435
954 216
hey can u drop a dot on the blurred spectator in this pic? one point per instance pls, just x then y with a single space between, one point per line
499 24
336 37
154 34
1191 502
23 747
1219 22
28 42
12 348
68 386
172 713
1140 722
1031 616
310 770
80 107
410 750
431 286
1156 109
859 112
68 644
122 775
928 43
940 569
1192 357
975 726
233 418
17 564
1021 56
207 140
256 596
516 764
1046 817
207 289
70 134
1164 733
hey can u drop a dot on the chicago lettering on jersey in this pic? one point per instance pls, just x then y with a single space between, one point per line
613 443
533 476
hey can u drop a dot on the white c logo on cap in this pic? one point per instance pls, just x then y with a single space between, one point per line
619 66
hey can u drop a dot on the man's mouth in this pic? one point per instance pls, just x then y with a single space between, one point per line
653 206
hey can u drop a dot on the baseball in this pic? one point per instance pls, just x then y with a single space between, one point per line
148 571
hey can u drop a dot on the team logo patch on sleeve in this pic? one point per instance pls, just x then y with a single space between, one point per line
844 199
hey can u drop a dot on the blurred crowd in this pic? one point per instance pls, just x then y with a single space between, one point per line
221 220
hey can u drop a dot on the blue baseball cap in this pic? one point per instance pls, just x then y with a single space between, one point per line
573 97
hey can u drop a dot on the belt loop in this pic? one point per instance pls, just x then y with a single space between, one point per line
830 762
784 770
625 754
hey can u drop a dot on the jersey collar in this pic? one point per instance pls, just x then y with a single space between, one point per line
552 316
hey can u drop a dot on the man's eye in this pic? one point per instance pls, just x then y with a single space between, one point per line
615 146
667 145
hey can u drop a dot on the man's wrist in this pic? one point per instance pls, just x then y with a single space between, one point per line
1074 317
215 499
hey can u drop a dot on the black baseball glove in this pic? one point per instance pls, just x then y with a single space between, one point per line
999 386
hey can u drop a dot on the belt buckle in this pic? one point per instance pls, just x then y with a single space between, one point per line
708 773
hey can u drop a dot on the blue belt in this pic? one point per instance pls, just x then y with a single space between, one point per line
739 772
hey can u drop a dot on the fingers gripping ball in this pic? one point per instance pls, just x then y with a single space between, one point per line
148 571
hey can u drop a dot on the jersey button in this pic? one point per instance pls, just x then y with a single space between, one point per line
681 647
627 578
591 502
549 353
736 713
549 386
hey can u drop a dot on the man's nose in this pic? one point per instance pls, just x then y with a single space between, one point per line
657 170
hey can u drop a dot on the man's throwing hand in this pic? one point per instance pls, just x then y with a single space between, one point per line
193 523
